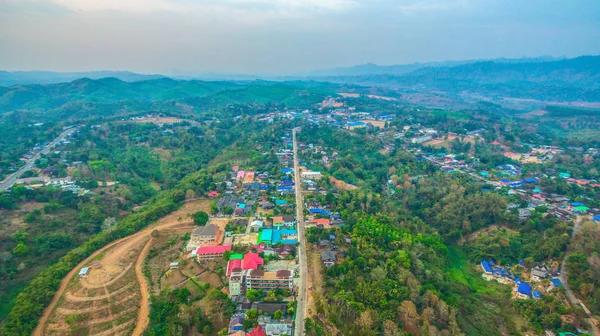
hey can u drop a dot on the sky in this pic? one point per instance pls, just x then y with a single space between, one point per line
276 37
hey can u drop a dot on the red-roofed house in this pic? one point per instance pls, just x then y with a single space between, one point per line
233 264
251 261
211 252
258 331
213 193
320 221
235 168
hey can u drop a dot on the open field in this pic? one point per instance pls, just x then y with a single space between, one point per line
341 185
443 142
115 284
163 120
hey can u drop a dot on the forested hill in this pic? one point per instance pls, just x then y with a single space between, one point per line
576 79
108 95
9 78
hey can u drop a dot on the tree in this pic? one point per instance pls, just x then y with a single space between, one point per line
278 314
20 250
20 236
200 218
251 314
253 295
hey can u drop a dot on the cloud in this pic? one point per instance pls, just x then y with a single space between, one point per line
427 6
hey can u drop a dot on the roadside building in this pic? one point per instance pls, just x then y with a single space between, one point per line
205 253
311 175
261 280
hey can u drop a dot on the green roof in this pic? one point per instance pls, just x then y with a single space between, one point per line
566 333
236 256
581 208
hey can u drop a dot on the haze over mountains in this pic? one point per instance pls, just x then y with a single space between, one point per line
565 80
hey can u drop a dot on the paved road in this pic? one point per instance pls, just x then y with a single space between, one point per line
564 279
10 180
301 308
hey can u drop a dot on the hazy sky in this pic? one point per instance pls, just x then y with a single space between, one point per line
285 36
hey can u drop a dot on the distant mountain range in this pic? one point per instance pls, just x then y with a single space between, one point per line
48 77
402 69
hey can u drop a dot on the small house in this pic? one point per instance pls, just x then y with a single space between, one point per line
328 258
84 272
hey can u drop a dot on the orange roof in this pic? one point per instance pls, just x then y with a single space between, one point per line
319 221
278 219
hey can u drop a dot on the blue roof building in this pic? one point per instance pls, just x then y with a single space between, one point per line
284 188
287 182
576 204
536 295
486 267
596 218
281 202
531 180
524 289
287 170
556 282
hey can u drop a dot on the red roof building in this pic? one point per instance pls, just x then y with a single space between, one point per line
258 331
213 193
251 261
211 252
319 221
233 264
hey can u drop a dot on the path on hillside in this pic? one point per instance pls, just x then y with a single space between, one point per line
301 308
573 300
129 240
144 312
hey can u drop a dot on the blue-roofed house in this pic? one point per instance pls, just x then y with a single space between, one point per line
284 188
531 180
556 282
281 202
536 295
596 218
287 171
524 290
487 268
355 124
287 182
576 204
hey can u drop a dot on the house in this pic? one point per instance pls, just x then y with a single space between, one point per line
234 263
279 221
281 202
596 218
328 258
261 280
174 265
236 323
524 290
240 222
240 175
320 221
267 205
311 175
213 194
487 268
324 243
524 214
287 171
251 261
256 225
258 331
204 253
277 329
538 273
201 235
318 211
238 333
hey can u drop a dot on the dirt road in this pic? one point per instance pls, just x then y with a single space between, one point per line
144 312
168 222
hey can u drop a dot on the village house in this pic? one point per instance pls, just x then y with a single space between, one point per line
328 258
311 175
538 273
207 234
280 221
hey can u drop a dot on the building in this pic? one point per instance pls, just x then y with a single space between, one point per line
328 258
251 261
277 329
524 290
279 221
487 268
421 139
256 225
261 280
355 124
311 175
236 282
539 273
258 331
236 323
205 253
320 221
203 235
84 272
283 236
